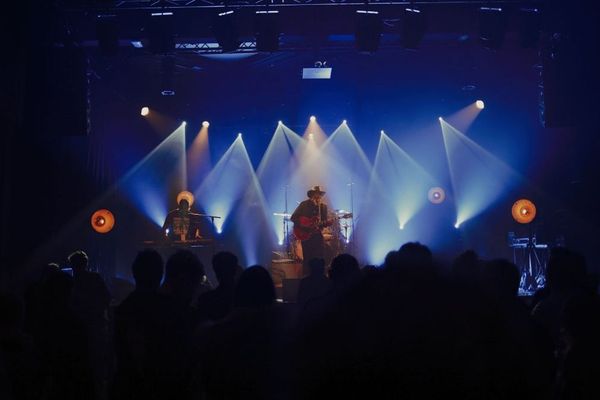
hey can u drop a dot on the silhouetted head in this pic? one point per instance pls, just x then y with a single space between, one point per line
184 205
344 269
316 266
466 267
147 269
47 270
501 278
78 260
392 260
415 254
255 289
566 270
225 265
183 274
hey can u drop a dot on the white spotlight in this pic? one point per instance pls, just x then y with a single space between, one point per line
313 118
401 226
382 132
183 123
344 122
145 111
456 225
440 119
280 122
240 134
206 124
281 242
480 104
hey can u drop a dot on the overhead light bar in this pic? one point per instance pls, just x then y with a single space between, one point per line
267 12
414 10
161 14
137 44
222 14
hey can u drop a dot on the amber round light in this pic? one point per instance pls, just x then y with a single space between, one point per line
523 211
102 221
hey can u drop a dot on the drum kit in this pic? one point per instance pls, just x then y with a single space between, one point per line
335 236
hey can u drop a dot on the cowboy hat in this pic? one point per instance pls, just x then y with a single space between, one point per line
315 189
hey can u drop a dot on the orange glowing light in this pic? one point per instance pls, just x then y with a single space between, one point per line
102 221
523 211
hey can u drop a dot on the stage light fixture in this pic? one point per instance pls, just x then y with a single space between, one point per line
267 32
368 31
523 211
529 26
183 123
493 23
344 122
457 225
145 111
280 122
413 27
313 118
440 119
401 227
106 32
240 135
225 31
206 124
436 195
160 33
480 104
382 132
102 221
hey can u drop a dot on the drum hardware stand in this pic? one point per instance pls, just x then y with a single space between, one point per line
348 241
286 235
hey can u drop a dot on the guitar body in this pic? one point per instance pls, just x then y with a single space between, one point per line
307 227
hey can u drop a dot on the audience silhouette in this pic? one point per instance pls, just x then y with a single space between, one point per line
407 328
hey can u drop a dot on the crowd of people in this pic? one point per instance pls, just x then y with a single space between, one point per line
405 329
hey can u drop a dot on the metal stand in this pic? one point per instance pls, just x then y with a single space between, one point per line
351 242
531 257
286 235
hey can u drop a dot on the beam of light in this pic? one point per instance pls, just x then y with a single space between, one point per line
253 219
406 181
478 177
162 172
397 191
160 122
198 156
349 173
464 118
274 172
